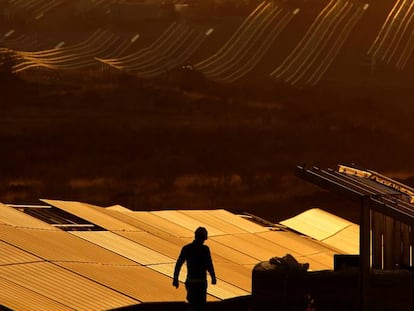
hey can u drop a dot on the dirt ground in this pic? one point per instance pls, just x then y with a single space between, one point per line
175 144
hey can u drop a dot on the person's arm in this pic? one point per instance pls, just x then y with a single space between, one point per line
210 268
177 268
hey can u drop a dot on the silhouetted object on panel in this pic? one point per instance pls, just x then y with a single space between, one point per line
198 258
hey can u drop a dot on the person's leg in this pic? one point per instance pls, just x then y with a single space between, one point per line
197 295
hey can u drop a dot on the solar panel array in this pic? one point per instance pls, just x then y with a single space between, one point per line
130 258
331 29
328 228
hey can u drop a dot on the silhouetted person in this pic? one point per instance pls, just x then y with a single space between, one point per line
198 258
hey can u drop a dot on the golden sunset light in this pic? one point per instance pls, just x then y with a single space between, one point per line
205 155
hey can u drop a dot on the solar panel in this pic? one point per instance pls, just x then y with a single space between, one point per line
321 261
301 244
254 246
135 258
92 214
124 247
58 246
14 217
214 220
152 223
188 222
225 290
125 217
235 274
11 296
244 224
156 243
347 240
225 253
385 195
138 282
316 223
118 208
14 255
61 285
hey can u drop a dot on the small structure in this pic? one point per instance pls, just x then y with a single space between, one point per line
386 224
378 276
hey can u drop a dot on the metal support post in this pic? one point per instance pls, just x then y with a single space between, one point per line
364 251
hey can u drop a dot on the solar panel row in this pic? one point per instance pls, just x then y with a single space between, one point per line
131 259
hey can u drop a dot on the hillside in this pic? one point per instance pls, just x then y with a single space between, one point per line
180 140
120 140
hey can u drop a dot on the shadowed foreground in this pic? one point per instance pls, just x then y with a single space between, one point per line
238 303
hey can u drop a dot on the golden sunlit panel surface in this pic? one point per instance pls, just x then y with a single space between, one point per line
210 219
265 244
92 214
152 222
155 243
118 208
253 246
64 286
347 240
125 217
234 274
318 261
226 253
138 282
301 244
13 217
11 296
188 222
225 290
324 259
59 246
316 223
113 259
13 255
244 224
123 247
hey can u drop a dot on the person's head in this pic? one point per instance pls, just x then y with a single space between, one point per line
200 234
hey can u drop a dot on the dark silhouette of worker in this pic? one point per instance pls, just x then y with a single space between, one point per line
198 258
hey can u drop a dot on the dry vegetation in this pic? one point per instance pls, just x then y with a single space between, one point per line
114 139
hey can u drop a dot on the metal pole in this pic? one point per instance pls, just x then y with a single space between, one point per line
364 251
